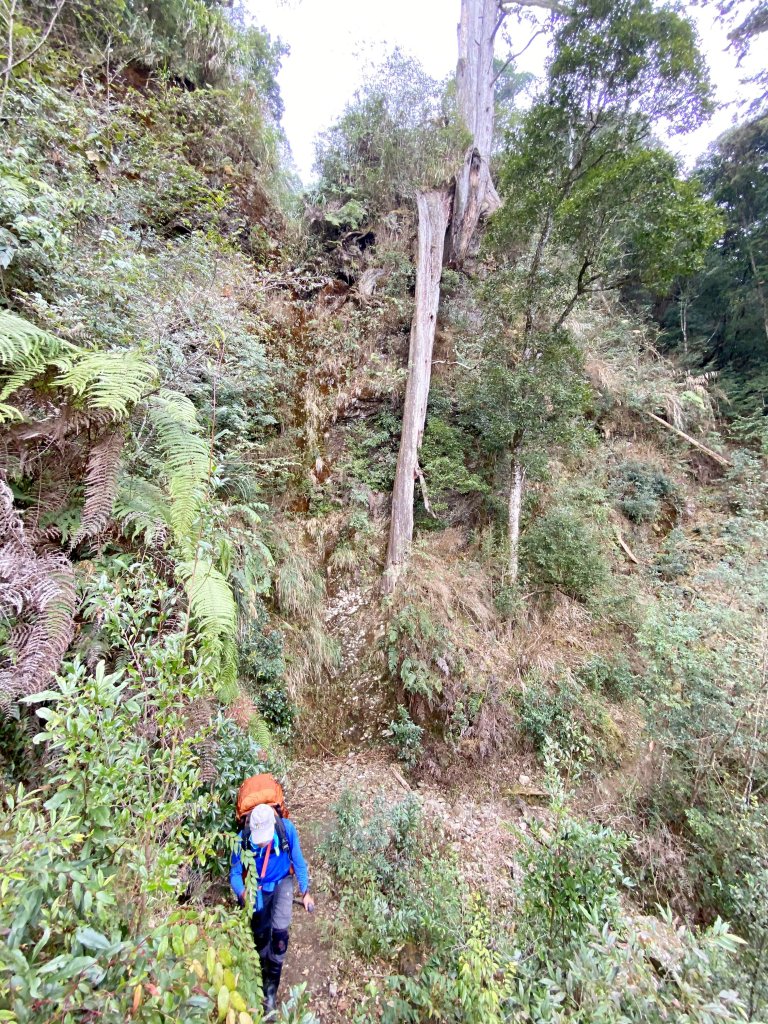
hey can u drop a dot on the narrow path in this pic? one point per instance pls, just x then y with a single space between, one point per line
335 984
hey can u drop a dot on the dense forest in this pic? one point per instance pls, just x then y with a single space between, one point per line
437 490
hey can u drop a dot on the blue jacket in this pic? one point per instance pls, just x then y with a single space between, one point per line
278 867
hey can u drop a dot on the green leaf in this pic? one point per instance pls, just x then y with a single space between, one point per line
92 939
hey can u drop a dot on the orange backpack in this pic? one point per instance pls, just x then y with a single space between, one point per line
260 789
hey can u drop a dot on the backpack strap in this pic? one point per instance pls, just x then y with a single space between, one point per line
266 861
282 835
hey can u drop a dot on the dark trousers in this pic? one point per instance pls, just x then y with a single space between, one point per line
270 924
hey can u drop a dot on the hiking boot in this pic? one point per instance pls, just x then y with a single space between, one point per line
271 982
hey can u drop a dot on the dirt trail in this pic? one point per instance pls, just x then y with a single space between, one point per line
474 822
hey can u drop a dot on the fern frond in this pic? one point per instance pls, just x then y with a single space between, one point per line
25 352
141 508
38 591
211 603
227 689
23 342
100 486
107 380
113 381
8 413
186 457
259 730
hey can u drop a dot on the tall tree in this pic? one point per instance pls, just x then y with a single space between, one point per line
434 214
474 196
720 317
589 203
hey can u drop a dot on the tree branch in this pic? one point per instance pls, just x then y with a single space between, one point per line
424 495
548 5
716 456
11 65
514 56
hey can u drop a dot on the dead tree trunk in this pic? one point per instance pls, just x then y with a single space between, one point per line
513 519
475 195
434 213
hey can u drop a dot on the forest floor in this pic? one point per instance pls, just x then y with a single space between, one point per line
475 816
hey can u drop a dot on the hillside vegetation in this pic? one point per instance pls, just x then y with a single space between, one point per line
203 372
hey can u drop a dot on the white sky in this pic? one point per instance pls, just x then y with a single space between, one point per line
333 42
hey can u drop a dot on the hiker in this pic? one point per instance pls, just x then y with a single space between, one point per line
274 842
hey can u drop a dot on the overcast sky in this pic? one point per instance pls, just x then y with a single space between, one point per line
333 42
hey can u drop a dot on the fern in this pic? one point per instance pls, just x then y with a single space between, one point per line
26 351
38 591
186 458
142 509
213 610
22 342
107 380
101 486
112 381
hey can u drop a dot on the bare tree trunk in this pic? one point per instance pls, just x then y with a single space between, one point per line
513 519
434 214
475 195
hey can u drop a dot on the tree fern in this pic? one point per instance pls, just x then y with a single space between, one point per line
100 485
112 381
186 458
142 509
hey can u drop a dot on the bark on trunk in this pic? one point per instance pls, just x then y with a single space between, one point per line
513 520
434 213
475 195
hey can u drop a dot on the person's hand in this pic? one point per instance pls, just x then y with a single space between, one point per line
241 899
309 903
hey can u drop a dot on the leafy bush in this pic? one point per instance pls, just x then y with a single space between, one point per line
372 451
673 559
550 717
573 877
565 714
568 954
400 135
642 491
443 460
405 737
418 654
612 676
399 885
561 551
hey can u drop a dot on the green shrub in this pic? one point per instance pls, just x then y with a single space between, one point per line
443 459
567 955
398 883
405 737
372 449
612 676
573 877
643 490
415 647
673 559
550 716
567 715
559 550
